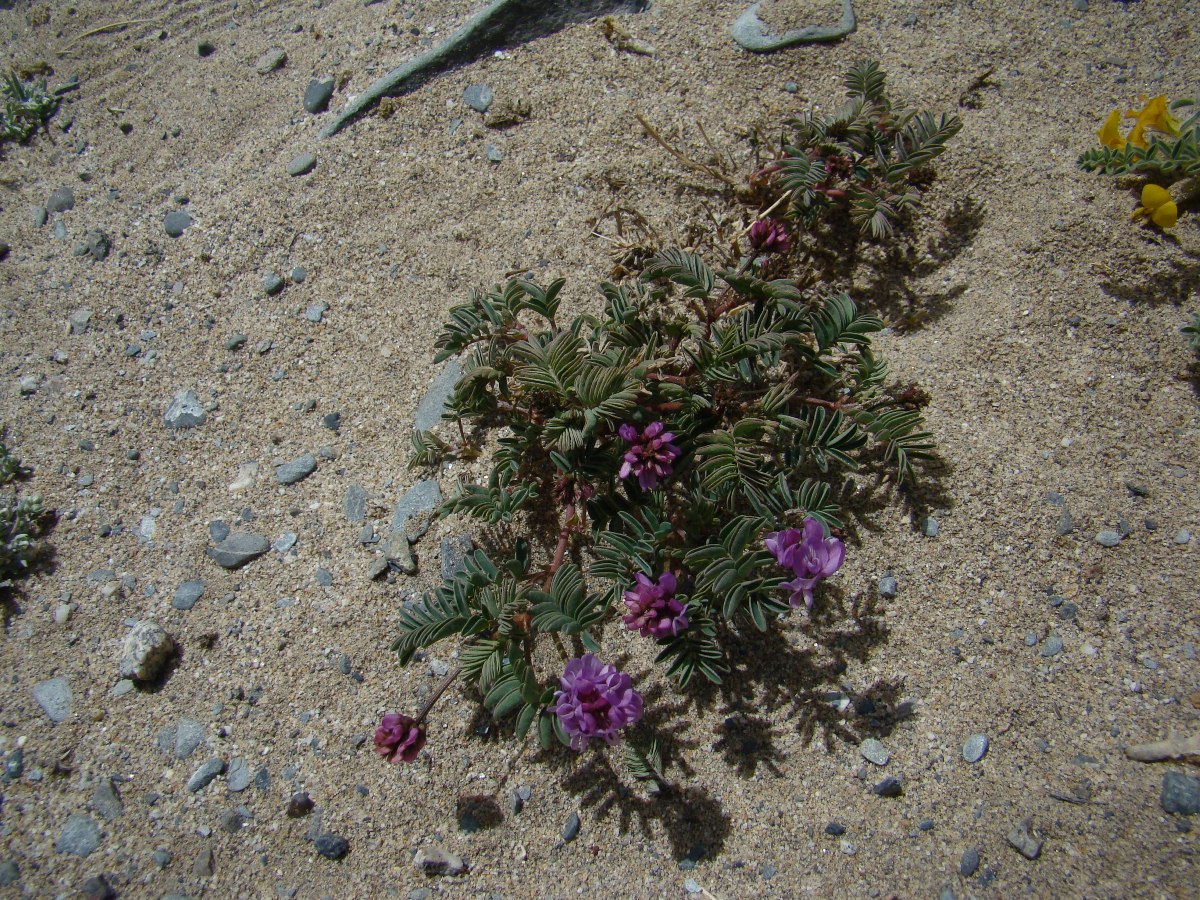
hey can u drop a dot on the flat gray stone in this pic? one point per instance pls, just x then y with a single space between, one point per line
238 549
237 777
79 320
1181 794
54 697
301 164
204 775
80 836
1108 538
479 97
317 95
975 748
354 505
1023 841
106 801
273 59
454 550
397 552
187 594
750 32
61 200
176 223
296 470
423 496
146 649
316 311
433 404
873 751
185 411
433 860
189 734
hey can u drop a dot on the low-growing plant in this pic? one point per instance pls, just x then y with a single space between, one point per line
26 105
683 451
20 524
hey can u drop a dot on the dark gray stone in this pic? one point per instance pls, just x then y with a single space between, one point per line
237 776
187 594
176 223
232 821
98 244
424 496
186 736
332 846
454 550
969 863
80 836
14 765
40 215
479 97
835 829
202 866
355 503
54 697
318 94
185 411
1052 646
297 469
571 829
106 800
272 284
204 775
1181 794
888 585
429 410
9 873
493 153
218 531
889 787
61 200
301 164
238 549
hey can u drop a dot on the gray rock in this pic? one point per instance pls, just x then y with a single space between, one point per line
183 738
571 829
80 836
434 860
1108 538
493 153
1181 794
80 320
204 775
888 586
232 821
316 311
969 863
454 550
9 873
377 567
889 787
301 164
121 688
270 61
298 275
187 594
54 697
318 94
98 244
751 33
202 866
354 505
423 496
162 858
60 231
1182 536
238 549
479 97
432 405
286 542
237 777
1052 646
185 411
323 577
218 531
236 342
176 223
40 215
106 800
296 470
1023 841
332 846
272 284
205 48
146 649
929 527
397 552
61 200
874 752
975 748
14 765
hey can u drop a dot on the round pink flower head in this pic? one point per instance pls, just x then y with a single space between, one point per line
653 609
769 236
596 701
809 554
652 455
399 737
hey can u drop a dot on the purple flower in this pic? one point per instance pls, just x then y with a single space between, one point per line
595 701
769 236
399 737
651 456
809 554
653 609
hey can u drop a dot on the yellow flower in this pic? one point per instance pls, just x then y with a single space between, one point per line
1153 115
1157 206
1110 131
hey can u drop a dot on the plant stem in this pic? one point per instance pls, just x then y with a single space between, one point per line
560 551
437 694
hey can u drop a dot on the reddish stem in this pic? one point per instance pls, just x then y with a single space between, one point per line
437 694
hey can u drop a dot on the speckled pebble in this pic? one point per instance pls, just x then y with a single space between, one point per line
975 748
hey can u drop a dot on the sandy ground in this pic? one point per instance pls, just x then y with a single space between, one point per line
1044 326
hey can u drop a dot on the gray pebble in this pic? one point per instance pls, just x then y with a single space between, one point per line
185 411
235 342
1182 536
187 594
40 216
270 61
162 858
354 504
454 550
318 94
888 586
60 231
121 688
975 748
493 153
176 223
1023 841
889 787
98 244
202 865
80 836
145 650
54 697
835 829
1052 646
929 527
433 860
791 87
272 284
237 777
571 829
969 863
61 200
423 496
1181 794
479 97
397 552
204 775
301 164
1108 538
205 48
332 421
332 846
183 738
238 549
873 751
429 410
298 275
14 765
262 779
324 577
106 800
286 542
218 531
296 470
316 311
1065 523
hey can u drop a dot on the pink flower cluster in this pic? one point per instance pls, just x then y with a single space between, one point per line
399 737
596 701
769 236
653 609
809 554
652 455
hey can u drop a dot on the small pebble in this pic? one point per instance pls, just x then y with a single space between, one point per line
888 585
1108 538
298 275
301 164
1182 536
1023 841
571 829
975 748
332 846
493 153
479 97
176 223
835 829
271 60
1052 646
272 284
969 863
318 94
873 751
889 787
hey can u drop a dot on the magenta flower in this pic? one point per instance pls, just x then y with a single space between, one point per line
809 554
653 609
651 456
399 737
595 701
769 236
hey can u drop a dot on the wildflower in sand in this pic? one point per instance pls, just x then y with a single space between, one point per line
399 737
1157 206
653 609
596 701
651 456
1154 115
769 236
809 554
